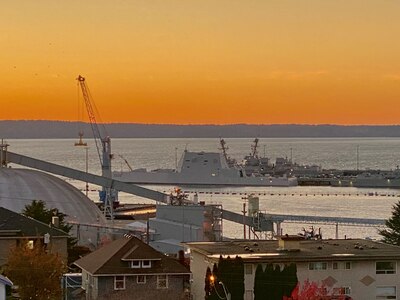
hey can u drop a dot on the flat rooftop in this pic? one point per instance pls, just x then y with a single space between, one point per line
306 250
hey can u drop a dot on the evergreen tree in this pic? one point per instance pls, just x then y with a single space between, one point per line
268 282
289 275
214 285
277 283
258 283
391 235
230 272
37 210
236 284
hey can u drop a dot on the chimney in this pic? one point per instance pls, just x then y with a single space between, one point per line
290 242
55 221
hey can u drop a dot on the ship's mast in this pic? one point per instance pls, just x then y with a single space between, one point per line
224 148
254 147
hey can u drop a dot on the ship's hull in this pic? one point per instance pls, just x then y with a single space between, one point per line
173 178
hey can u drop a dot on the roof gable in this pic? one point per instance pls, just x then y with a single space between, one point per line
114 259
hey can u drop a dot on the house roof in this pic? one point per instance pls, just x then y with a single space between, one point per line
111 259
4 280
307 250
13 224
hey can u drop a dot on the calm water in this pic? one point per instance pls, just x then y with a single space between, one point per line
320 201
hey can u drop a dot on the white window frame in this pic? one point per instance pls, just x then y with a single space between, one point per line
146 265
342 265
141 282
119 280
320 264
138 266
386 271
160 278
388 296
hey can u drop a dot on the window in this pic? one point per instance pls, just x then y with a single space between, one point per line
119 282
140 279
162 281
30 244
385 292
135 264
346 290
317 266
386 267
248 269
146 264
341 265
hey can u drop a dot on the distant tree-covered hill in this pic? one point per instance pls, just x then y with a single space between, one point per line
58 129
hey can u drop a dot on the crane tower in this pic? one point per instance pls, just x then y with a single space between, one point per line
103 145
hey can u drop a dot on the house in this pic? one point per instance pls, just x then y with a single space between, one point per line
4 282
127 268
360 269
16 228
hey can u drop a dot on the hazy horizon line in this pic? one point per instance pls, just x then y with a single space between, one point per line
203 124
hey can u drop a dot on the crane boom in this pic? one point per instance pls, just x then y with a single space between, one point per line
91 115
103 146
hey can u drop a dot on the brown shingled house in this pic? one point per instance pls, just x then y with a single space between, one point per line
16 228
127 268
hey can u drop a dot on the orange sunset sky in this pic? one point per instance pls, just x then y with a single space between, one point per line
203 61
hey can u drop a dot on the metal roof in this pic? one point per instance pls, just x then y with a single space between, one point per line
19 187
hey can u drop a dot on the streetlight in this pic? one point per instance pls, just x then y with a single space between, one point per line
226 292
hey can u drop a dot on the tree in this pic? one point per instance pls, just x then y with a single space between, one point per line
38 211
391 235
258 283
230 272
274 283
36 273
313 291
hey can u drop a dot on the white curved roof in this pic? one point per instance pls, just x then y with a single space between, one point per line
18 187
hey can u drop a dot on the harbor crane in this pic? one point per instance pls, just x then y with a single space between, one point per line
103 145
